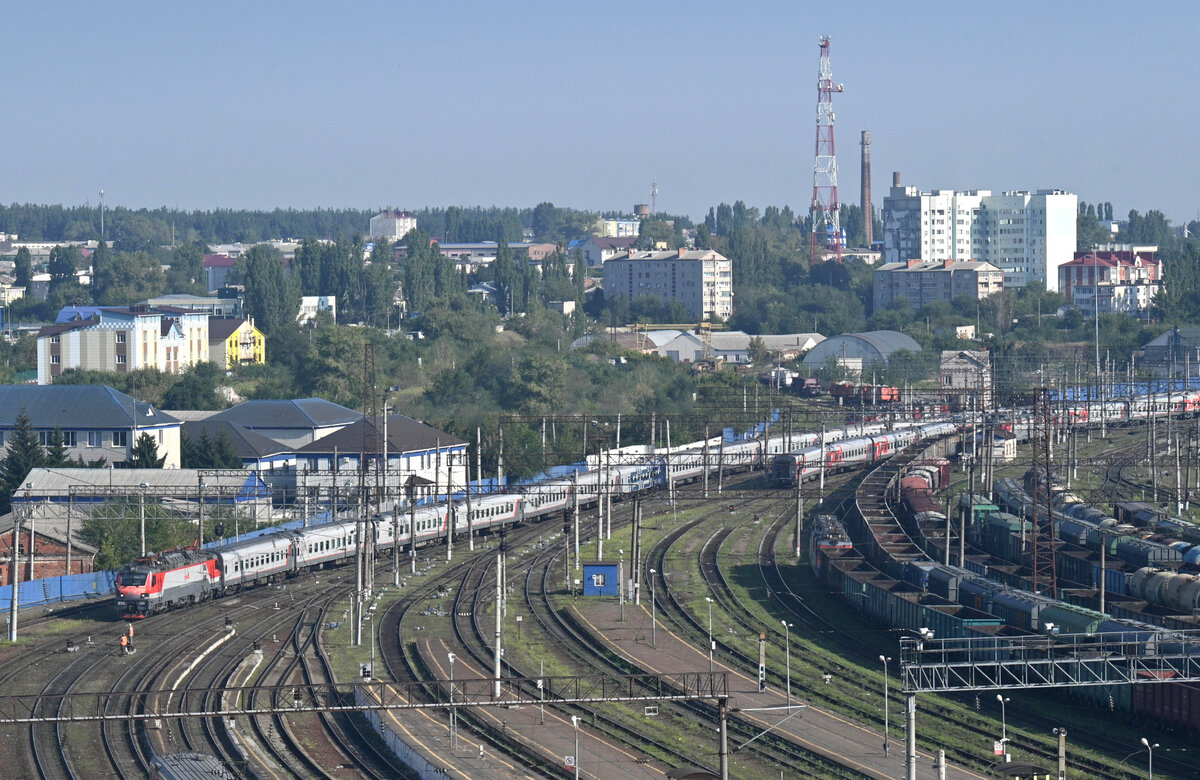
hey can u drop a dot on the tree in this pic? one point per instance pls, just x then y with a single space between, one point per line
145 453
757 351
208 452
545 222
509 287
101 258
656 231
114 528
578 274
378 285
127 277
187 270
63 263
196 389
56 451
271 297
224 454
25 453
24 268
1089 232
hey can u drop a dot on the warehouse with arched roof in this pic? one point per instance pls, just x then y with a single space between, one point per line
857 351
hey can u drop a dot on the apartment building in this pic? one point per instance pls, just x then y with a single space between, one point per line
1027 235
392 225
1117 281
121 338
700 279
921 283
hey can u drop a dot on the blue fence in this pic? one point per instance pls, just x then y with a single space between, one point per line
55 590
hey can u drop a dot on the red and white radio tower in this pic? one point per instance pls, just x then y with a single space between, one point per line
826 226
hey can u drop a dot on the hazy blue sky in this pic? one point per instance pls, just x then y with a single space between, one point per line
367 104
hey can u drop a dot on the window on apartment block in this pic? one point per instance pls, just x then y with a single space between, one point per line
56 359
121 337
121 360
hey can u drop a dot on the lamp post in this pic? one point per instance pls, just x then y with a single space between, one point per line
886 720
621 583
653 614
453 719
371 634
710 637
787 655
1003 726
200 512
142 516
575 723
1150 752
1061 733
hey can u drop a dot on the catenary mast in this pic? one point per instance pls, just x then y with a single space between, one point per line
826 226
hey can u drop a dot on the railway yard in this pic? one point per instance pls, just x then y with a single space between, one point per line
723 583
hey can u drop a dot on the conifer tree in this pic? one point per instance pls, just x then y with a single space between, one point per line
56 452
25 453
145 453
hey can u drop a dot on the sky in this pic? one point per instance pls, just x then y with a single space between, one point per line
262 104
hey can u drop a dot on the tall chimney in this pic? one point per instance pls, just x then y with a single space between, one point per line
895 178
865 195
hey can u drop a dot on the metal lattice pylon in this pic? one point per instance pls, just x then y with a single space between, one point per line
1045 575
826 224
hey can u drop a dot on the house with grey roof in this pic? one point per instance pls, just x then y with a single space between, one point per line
97 422
1179 346
293 423
599 249
257 452
413 449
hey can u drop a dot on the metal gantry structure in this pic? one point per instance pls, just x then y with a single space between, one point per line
930 665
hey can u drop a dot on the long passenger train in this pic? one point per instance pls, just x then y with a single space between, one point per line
181 577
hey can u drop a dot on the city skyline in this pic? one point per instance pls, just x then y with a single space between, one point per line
273 105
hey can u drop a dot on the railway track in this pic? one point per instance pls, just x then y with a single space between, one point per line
872 501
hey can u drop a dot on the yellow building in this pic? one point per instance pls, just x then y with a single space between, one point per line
235 342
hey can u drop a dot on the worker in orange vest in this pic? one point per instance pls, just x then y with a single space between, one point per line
124 645
131 637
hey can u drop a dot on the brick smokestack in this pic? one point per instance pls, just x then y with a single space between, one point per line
865 194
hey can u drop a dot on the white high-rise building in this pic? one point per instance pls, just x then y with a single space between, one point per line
1028 235
392 225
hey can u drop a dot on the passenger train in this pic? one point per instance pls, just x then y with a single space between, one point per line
180 577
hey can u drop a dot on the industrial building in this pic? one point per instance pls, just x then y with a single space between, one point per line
858 352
